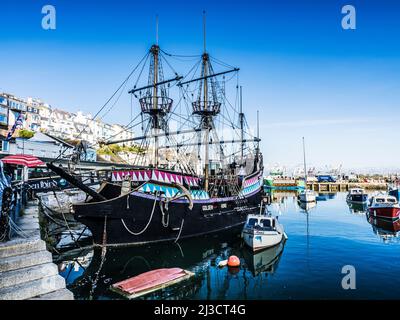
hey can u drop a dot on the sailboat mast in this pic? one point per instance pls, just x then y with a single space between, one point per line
305 166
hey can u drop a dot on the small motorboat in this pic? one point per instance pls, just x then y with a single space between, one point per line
307 196
262 231
357 195
384 206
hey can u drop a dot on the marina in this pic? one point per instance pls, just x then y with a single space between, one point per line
321 240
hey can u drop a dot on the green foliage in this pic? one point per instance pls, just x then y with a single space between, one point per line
26 134
115 148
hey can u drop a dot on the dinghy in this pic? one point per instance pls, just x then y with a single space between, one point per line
150 281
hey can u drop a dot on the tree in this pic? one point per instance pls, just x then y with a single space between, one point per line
26 134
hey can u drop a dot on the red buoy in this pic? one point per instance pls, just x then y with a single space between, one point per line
233 261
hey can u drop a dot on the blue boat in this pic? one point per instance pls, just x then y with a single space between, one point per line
357 195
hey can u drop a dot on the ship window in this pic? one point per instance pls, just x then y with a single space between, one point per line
252 222
391 200
266 223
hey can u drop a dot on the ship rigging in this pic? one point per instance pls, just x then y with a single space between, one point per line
203 176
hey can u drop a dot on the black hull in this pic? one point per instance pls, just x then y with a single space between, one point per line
357 198
123 220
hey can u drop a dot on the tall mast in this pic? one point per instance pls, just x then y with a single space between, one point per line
157 30
155 103
258 131
207 138
155 52
305 167
241 118
206 106
204 30
258 135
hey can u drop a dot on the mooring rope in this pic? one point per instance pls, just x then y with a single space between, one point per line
65 220
164 222
180 231
148 223
103 258
17 229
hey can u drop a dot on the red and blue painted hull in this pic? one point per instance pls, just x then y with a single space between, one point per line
384 212
140 217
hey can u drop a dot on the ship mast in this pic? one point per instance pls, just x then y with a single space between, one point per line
207 131
207 104
241 118
155 102
155 52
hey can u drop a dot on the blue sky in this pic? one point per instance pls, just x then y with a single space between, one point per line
307 76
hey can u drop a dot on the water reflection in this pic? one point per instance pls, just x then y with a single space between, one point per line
281 196
297 269
357 208
387 230
306 206
325 196
200 255
74 264
264 261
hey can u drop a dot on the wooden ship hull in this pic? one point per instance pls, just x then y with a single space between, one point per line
145 217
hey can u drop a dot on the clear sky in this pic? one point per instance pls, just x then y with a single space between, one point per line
307 76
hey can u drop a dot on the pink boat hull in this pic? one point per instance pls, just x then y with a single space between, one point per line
149 280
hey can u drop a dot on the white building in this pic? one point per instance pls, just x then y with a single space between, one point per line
40 145
39 116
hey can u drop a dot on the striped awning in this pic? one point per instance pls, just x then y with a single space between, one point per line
23 160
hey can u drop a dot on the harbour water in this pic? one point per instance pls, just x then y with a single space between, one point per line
321 240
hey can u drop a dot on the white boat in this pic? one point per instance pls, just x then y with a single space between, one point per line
384 206
307 196
262 231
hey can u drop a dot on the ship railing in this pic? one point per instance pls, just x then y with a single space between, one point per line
206 108
153 104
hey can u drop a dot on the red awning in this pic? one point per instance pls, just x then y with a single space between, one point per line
23 160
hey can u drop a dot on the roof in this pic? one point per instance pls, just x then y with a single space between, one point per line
58 140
